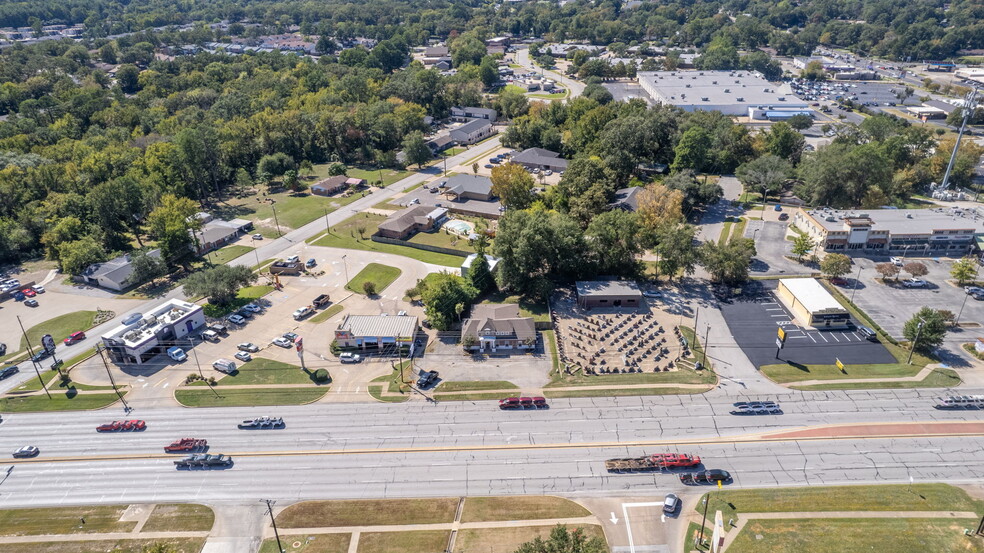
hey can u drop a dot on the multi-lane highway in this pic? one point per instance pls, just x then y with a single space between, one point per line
465 448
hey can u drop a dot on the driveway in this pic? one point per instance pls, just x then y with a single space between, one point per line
445 355
522 57
771 247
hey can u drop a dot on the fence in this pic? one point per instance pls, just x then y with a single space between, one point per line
436 249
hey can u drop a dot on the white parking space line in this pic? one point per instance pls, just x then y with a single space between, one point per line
811 337
824 338
835 338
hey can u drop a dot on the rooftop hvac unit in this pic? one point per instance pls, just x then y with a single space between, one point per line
727 90
782 98
831 219
688 86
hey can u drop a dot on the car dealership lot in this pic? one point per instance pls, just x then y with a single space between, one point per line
755 317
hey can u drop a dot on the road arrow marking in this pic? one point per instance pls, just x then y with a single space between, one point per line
614 519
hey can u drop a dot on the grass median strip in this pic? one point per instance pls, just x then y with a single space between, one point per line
617 392
182 517
247 397
368 512
509 539
419 541
333 310
475 385
67 400
321 543
520 507
64 520
939 378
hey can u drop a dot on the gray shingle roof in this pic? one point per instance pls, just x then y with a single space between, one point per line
502 319
476 184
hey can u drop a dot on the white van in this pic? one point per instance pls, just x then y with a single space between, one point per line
224 365
177 354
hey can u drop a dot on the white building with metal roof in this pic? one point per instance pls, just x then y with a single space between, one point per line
158 330
812 304
376 331
730 92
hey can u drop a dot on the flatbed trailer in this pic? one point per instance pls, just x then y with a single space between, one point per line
653 463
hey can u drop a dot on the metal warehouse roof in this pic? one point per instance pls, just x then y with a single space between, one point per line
814 297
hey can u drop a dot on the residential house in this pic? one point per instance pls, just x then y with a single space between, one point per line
466 265
468 187
495 327
405 223
473 131
114 274
329 186
627 199
538 158
376 332
469 113
216 233
443 64
440 143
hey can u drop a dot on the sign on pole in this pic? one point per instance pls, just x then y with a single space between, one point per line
839 364
782 334
299 344
779 343
48 343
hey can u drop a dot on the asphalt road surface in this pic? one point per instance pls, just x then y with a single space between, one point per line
472 448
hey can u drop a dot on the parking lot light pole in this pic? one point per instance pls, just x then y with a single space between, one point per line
957 320
912 349
857 279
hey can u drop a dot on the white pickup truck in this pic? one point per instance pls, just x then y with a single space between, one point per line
303 312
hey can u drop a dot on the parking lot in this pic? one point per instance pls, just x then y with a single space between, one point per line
754 320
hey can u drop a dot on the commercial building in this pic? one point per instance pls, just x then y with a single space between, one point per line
925 112
157 331
115 274
473 131
538 158
377 332
937 231
608 293
468 187
495 327
405 223
216 233
468 113
811 304
730 92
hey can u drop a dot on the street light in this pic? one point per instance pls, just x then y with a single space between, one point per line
912 349
273 204
255 252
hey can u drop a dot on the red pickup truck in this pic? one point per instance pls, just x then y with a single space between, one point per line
117 426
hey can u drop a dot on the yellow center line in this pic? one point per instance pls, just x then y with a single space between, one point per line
741 439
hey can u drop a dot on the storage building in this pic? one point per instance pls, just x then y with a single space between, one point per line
811 304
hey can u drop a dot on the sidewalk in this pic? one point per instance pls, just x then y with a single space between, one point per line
921 375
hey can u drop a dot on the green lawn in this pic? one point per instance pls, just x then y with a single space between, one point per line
393 383
321 543
184 517
380 275
898 535
551 341
368 512
557 96
332 310
420 541
372 175
244 296
520 507
59 328
444 239
475 385
888 497
345 235
616 392
509 539
113 546
248 397
455 151
939 378
55 384
293 210
786 372
63 520
261 371
228 253
60 401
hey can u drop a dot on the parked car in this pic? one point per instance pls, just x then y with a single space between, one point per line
248 346
426 378
897 261
257 236
971 290
489 166
282 342
41 355
838 281
7 372
784 216
349 357
671 503
133 318
26 451
38 288
302 312
74 337
31 302
3 348
224 366
290 336
310 263
243 356
29 292
867 333
210 336
652 294
236 318
914 283
777 207
253 308
293 259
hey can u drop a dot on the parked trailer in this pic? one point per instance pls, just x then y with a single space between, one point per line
650 463
322 300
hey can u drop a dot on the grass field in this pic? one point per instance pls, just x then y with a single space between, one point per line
111 546
372 175
368 512
508 540
228 253
443 239
550 339
244 296
323 316
320 543
262 371
60 401
520 507
345 235
293 210
890 497
380 275
420 541
856 536
55 383
59 328
63 520
791 373
181 517
248 397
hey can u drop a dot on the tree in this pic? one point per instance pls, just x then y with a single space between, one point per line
128 76
598 93
475 168
468 341
562 540
784 142
964 270
415 149
887 270
536 246
146 267
480 273
512 103
691 151
728 262
219 284
916 269
276 165
442 296
108 53
660 207
835 265
291 182
74 256
171 224
802 245
513 185
614 241
369 287
697 193
814 72
800 121
764 174
930 336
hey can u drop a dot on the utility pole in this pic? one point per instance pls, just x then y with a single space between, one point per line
280 546
703 349
273 204
970 102
856 281
345 265
700 540
327 224
957 320
912 349
30 351
199 365
126 407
